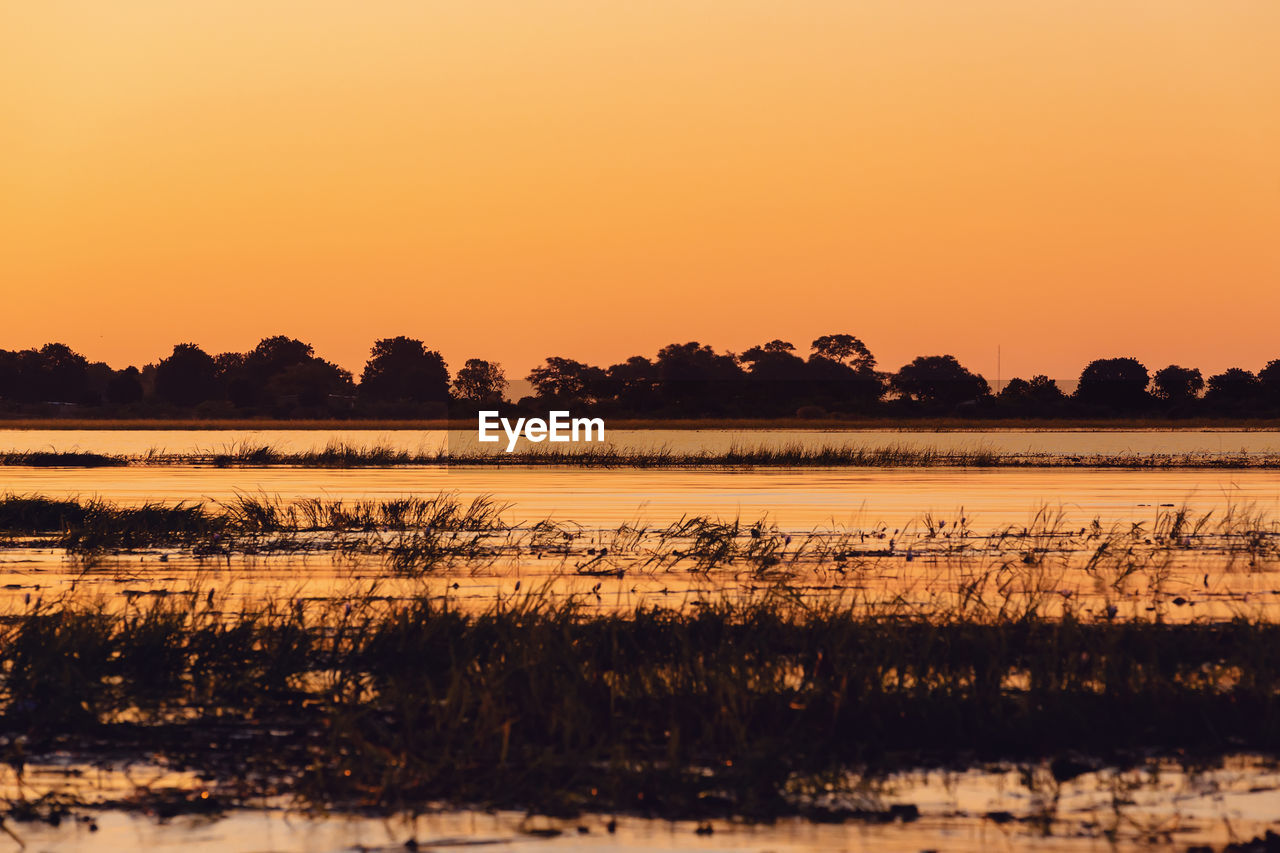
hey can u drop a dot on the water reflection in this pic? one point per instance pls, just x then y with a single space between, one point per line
796 499
1000 808
1066 442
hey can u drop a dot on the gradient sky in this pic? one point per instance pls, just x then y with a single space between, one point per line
594 179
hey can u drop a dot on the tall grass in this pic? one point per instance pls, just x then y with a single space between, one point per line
539 703
344 455
90 527
62 459
418 534
898 424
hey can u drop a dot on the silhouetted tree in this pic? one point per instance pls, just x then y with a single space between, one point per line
1039 396
403 369
284 377
1232 391
1175 384
845 349
18 375
693 379
61 374
774 362
276 354
234 380
1042 389
938 380
1015 390
187 377
843 387
633 385
312 383
1269 385
778 381
125 387
1119 384
481 381
563 380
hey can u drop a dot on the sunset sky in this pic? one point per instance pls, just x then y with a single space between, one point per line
593 179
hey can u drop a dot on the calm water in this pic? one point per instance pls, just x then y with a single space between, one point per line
1235 802
1161 803
711 441
600 500
794 498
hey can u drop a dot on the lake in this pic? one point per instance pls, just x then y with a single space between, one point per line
1065 442
1104 543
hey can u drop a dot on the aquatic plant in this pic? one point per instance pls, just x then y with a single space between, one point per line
344 455
543 704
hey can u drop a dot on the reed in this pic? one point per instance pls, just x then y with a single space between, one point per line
342 455
853 422
91 527
62 459
418 534
539 703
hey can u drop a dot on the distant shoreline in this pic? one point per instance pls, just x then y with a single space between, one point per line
818 424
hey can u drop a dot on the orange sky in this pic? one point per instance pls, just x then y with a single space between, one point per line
518 178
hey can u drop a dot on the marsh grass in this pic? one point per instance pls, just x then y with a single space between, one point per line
62 459
416 535
721 705
899 424
346 455
333 455
727 708
245 524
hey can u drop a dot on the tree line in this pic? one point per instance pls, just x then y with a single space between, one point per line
838 377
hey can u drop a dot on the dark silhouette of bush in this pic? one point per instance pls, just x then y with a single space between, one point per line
565 381
842 387
53 373
1023 398
778 380
65 374
939 381
1015 389
846 350
1119 384
1233 391
694 380
1177 385
1269 387
187 377
1044 390
20 376
236 384
480 381
313 384
272 357
125 387
632 386
281 374
402 369
283 377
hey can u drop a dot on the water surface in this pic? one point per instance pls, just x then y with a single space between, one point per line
1065 442
795 498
